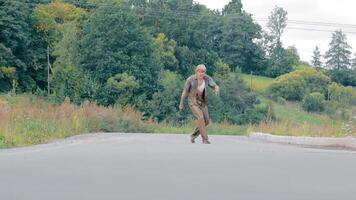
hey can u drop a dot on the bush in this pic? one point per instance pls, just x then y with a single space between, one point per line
164 104
290 87
293 86
236 104
314 102
342 96
70 82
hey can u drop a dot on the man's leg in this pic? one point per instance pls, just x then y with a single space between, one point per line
202 130
195 134
199 115
206 122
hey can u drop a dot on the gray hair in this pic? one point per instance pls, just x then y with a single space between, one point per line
200 66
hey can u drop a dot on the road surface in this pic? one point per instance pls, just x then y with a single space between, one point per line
168 167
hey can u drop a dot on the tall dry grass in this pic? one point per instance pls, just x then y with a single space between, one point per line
31 120
305 129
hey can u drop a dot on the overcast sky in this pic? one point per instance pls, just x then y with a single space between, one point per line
330 15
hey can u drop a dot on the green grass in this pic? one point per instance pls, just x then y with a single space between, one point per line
292 120
293 112
258 84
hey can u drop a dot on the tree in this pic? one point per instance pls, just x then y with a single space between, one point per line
17 47
113 42
235 43
278 62
121 87
353 62
166 51
277 22
164 104
50 17
338 55
233 7
316 62
292 55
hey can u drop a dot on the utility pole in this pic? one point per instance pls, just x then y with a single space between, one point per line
48 69
251 81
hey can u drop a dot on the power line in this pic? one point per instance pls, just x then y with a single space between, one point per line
183 15
288 27
316 23
320 30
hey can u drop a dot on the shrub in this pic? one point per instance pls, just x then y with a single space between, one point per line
341 95
293 86
314 102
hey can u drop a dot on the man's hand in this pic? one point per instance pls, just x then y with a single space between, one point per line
181 107
217 90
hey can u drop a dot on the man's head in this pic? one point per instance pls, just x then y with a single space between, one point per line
200 71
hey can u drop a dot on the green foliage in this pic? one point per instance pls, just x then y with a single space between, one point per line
338 56
121 86
353 62
288 86
341 95
73 83
314 102
15 44
65 49
233 7
316 80
113 42
283 61
280 60
258 84
222 68
277 22
50 17
164 104
166 51
236 47
235 104
316 62
346 77
7 76
295 85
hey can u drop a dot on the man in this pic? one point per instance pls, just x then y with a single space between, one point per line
196 88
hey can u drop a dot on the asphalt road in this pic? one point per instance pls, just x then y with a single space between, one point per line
168 167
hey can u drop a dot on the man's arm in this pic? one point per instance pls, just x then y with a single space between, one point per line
184 93
217 90
213 85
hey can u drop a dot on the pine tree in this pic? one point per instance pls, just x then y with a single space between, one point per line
353 62
316 62
338 55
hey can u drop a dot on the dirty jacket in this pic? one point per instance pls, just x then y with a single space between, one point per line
191 88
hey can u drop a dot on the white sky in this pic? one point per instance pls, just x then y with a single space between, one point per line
337 12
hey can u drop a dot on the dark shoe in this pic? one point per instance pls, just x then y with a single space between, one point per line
206 142
192 139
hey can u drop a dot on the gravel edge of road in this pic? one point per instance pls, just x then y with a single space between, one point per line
346 143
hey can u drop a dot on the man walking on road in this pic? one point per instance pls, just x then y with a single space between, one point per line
196 88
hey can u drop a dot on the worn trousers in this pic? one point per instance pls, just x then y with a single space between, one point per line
200 112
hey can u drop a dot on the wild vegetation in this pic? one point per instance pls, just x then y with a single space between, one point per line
77 66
